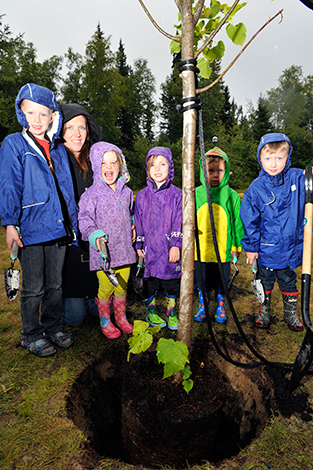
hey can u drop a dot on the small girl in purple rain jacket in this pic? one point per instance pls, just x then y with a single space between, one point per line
105 214
158 221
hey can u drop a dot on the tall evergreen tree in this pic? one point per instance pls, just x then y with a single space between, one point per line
261 119
171 124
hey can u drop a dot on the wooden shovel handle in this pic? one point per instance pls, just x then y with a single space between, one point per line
308 212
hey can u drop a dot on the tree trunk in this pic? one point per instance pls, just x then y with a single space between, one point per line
188 186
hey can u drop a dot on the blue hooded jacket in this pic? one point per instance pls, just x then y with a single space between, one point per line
28 194
272 213
158 221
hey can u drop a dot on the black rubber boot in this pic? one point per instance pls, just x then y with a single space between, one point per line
290 311
263 317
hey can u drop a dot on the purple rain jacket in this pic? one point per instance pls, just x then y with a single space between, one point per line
102 209
158 221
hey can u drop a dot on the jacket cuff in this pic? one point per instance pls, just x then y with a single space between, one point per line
94 236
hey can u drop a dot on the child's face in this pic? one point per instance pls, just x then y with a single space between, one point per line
110 168
38 117
75 134
159 170
215 171
273 162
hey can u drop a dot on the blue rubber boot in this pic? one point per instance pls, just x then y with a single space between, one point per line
220 314
200 315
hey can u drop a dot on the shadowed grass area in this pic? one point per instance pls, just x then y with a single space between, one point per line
36 434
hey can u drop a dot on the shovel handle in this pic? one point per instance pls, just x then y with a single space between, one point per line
308 211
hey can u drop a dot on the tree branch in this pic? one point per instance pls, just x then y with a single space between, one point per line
201 90
167 35
178 3
214 33
197 11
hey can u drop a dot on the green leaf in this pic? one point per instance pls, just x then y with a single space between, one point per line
175 47
139 343
172 352
187 372
141 338
187 384
237 33
219 49
170 369
204 67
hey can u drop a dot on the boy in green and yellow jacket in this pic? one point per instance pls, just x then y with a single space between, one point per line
228 227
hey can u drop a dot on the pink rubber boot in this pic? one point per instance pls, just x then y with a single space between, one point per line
106 326
119 306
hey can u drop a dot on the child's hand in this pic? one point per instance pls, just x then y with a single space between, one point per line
141 253
251 256
134 235
235 253
98 242
174 254
13 235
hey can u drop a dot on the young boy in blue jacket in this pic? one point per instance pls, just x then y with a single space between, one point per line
272 213
37 196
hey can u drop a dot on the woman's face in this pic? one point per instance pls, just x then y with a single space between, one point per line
75 133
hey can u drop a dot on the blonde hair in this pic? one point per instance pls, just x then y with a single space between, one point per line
274 147
119 159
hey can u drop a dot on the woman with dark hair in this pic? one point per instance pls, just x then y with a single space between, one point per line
80 285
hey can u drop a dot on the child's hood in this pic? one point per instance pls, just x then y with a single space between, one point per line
96 153
166 153
274 137
217 152
43 96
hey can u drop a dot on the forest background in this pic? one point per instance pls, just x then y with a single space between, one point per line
122 98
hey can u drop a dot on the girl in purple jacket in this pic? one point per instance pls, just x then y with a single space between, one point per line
105 214
158 221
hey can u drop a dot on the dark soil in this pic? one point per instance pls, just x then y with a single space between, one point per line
129 413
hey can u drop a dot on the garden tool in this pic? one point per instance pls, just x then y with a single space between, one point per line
305 355
106 265
256 284
138 277
236 272
12 276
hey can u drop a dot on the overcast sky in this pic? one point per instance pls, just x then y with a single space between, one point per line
54 26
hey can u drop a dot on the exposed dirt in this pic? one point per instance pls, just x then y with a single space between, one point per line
128 412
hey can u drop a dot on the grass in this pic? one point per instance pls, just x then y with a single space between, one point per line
36 434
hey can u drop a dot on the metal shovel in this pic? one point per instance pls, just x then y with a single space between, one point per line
138 277
256 284
12 276
305 355
105 266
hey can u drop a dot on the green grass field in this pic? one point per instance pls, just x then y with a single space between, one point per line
36 433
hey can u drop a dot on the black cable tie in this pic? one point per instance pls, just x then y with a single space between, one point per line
195 104
188 65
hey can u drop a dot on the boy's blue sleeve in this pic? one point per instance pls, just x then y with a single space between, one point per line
11 183
250 217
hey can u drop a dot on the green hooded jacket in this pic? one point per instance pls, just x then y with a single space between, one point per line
226 207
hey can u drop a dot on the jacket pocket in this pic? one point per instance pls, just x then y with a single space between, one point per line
269 239
36 198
